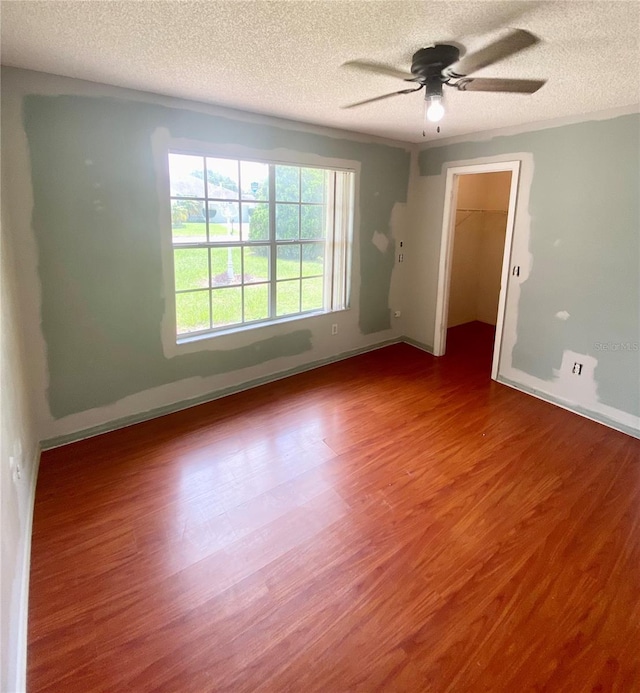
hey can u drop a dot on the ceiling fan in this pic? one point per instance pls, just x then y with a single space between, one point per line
441 64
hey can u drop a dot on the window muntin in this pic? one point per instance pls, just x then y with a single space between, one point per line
255 242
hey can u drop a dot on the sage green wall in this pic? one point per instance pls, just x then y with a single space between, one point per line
584 242
101 271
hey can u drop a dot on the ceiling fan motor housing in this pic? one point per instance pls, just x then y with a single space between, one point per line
428 64
439 64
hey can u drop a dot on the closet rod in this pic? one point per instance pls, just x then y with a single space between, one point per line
473 209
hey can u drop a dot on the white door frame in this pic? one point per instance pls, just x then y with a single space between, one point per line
446 252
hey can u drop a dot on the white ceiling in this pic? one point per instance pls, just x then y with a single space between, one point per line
284 58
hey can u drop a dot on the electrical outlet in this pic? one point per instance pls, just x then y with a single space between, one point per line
401 257
334 328
577 368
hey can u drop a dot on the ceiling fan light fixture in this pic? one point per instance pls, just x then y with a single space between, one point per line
441 65
434 110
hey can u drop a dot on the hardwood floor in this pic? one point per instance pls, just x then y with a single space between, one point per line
392 522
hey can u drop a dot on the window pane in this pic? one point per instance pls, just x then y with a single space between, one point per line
287 183
256 264
312 218
191 268
313 184
227 306
224 223
186 175
312 259
192 311
256 302
288 297
254 178
221 219
255 221
222 178
312 290
225 266
288 261
287 222
187 221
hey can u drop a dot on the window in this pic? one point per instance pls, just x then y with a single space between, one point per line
257 242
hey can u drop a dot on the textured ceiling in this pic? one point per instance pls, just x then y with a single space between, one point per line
284 58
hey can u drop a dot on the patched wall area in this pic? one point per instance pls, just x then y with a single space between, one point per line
577 236
95 223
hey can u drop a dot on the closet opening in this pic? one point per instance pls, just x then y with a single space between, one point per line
475 260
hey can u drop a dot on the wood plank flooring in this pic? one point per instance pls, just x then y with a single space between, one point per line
393 522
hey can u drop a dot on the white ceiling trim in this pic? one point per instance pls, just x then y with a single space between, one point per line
485 135
26 82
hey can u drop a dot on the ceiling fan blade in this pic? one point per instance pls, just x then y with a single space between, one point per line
514 42
514 86
384 96
380 69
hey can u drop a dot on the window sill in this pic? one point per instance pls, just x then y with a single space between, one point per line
205 336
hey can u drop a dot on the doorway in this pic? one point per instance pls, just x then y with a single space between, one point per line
475 255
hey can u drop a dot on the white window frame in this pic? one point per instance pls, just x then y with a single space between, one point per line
344 205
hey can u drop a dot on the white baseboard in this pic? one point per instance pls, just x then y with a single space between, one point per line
115 424
573 408
23 609
418 345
